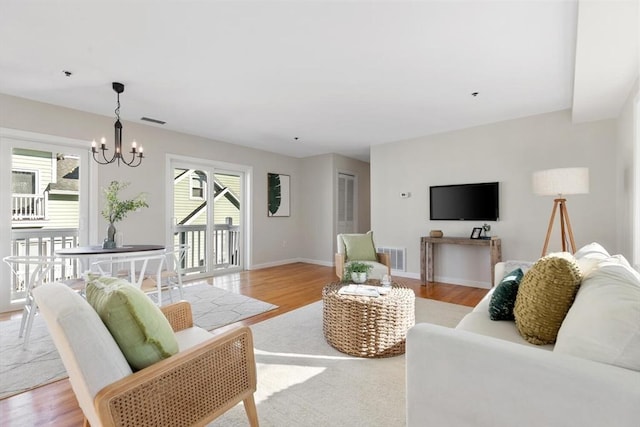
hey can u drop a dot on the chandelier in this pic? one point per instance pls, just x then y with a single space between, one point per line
136 152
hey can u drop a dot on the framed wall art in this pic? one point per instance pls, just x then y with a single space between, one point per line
278 194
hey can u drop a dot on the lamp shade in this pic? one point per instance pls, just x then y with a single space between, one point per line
553 182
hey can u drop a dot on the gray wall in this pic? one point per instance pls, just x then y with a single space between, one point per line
508 152
275 240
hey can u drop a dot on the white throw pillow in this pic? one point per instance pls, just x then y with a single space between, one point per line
603 323
593 250
589 256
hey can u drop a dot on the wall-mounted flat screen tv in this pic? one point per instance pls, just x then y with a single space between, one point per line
464 202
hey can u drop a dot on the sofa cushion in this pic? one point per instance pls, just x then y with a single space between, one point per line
504 297
604 322
545 295
359 247
142 332
589 256
479 322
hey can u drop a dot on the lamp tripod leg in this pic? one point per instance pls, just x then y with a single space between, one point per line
550 228
565 214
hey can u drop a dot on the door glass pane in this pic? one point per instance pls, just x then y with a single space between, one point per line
227 217
190 213
45 209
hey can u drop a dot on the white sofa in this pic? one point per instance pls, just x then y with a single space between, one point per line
483 373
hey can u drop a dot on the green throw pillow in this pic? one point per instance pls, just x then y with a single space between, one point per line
504 296
545 296
142 332
359 247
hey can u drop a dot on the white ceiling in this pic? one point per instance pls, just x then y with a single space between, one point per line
339 75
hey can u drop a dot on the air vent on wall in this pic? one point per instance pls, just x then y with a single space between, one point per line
397 257
147 119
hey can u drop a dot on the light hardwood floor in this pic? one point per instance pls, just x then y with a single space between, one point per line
289 287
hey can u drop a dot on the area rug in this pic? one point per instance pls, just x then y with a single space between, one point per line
22 370
302 381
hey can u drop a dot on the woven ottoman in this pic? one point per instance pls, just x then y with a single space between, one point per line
368 326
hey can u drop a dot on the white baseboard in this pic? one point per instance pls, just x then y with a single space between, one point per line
272 264
317 262
290 261
456 281
405 274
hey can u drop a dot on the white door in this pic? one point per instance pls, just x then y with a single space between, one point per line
44 205
347 202
209 215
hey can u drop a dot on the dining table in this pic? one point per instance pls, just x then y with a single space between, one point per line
88 254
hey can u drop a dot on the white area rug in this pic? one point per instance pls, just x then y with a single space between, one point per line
22 370
303 381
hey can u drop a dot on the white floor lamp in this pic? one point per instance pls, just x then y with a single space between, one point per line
559 183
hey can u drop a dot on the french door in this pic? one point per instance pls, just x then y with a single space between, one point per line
209 215
44 204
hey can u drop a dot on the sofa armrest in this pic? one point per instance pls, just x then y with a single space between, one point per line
460 378
185 388
179 315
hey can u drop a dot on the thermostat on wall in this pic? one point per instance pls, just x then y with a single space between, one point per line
405 195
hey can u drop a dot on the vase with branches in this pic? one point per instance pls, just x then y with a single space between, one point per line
116 210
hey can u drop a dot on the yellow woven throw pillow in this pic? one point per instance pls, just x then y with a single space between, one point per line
545 295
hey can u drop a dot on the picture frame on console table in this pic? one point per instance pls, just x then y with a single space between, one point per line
476 233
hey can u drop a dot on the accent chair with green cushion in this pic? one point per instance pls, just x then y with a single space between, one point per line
360 247
110 394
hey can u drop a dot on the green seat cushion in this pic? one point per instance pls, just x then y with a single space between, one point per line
544 297
142 332
504 296
359 247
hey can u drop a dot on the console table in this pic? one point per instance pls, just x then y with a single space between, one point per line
427 246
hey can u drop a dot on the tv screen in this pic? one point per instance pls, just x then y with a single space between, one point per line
465 202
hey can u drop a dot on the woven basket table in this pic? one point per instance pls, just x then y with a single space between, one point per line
368 326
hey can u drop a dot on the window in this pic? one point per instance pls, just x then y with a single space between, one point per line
198 185
23 182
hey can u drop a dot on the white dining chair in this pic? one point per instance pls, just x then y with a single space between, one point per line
137 270
173 274
32 271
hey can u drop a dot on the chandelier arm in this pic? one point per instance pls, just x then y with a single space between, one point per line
133 158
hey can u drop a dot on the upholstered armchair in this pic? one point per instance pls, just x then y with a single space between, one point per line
360 247
209 374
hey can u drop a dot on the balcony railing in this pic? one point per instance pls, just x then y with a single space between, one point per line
45 242
28 207
42 242
226 246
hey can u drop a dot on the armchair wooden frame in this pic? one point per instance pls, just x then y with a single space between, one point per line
192 387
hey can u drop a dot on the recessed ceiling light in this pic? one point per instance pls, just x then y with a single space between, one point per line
474 93
67 73
295 138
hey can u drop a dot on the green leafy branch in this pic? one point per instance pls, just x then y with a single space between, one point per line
116 210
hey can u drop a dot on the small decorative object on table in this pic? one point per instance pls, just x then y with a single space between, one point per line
436 233
386 280
486 228
356 272
116 210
